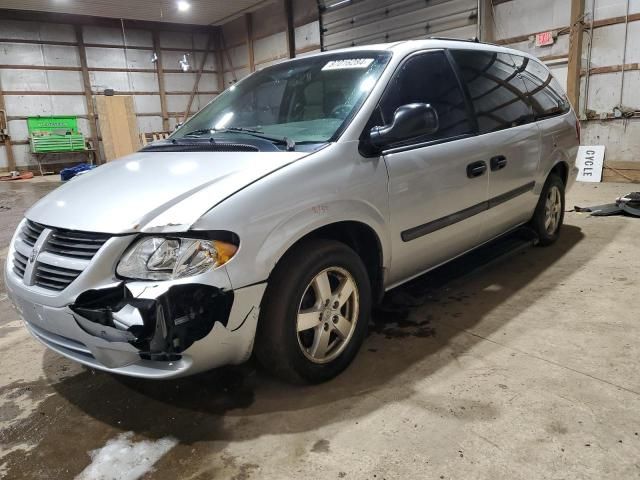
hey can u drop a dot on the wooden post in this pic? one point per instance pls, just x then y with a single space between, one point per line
291 33
486 21
161 88
198 76
11 160
86 80
575 53
249 25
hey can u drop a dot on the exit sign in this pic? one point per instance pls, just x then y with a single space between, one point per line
544 38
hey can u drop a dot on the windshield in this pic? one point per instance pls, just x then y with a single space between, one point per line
309 100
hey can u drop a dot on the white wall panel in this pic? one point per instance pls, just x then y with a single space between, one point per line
608 45
147 103
19 130
612 8
21 54
37 31
60 56
622 139
118 81
270 48
149 124
559 72
307 35
604 91
519 17
114 36
39 80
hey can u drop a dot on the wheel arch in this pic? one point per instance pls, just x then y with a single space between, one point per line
363 240
364 230
561 168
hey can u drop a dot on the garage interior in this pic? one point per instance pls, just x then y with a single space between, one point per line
510 362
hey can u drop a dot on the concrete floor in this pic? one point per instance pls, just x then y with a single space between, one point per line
527 368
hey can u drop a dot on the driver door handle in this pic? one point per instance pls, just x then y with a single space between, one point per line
498 162
476 169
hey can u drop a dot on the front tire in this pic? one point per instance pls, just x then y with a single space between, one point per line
549 214
315 313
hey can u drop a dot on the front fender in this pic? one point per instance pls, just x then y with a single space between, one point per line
290 231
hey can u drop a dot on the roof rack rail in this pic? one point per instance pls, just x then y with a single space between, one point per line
471 40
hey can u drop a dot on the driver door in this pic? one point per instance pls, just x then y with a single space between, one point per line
438 183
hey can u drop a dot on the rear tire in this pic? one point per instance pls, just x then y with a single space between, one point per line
315 313
549 214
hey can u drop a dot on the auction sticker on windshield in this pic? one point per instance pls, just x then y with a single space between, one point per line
348 63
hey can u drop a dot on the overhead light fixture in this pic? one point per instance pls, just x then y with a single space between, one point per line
184 63
183 5
154 57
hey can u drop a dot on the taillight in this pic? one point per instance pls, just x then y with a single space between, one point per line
578 130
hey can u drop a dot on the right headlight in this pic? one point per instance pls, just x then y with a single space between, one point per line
163 258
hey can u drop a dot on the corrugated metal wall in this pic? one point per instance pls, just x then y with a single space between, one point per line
362 22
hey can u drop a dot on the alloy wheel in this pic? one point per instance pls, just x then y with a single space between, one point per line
327 315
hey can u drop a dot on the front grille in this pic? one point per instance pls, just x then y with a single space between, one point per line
19 264
30 232
75 244
51 272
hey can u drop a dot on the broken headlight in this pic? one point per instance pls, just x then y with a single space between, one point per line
159 258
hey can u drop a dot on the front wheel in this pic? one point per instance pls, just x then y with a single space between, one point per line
315 313
549 214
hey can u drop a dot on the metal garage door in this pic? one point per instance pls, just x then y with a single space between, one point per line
346 23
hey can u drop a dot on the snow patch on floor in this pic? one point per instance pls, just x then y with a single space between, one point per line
123 459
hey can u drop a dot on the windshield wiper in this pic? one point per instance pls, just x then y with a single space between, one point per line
289 143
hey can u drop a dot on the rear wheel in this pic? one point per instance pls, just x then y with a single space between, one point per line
315 313
549 214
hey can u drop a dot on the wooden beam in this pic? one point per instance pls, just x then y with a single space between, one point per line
86 80
611 69
291 31
249 25
196 82
228 55
219 59
160 75
11 161
575 53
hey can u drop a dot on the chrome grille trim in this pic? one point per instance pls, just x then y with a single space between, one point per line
19 263
60 255
30 232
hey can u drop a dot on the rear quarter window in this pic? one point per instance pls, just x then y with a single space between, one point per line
547 96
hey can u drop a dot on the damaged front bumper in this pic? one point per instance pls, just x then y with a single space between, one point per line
147 329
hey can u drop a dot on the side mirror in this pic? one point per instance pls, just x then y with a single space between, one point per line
409 121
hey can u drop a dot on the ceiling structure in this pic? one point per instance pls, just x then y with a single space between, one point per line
200 12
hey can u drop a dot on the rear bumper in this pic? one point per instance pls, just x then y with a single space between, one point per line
229 341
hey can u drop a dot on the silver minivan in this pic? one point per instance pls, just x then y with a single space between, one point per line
273 219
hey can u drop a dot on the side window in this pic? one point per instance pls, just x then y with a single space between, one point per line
427 78
497 91
545 92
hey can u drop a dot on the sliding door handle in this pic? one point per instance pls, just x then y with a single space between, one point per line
498 163
476 169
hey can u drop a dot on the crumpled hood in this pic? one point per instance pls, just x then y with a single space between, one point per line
153 191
